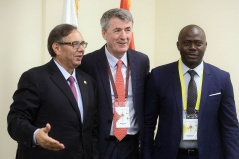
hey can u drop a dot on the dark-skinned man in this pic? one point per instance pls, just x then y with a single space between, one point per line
195 105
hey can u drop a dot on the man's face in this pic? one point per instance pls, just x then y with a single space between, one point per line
68 57
118 36
192 45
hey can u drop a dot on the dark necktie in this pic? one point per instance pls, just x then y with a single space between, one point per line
192 94
73 88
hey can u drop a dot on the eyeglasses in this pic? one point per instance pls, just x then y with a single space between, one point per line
75 44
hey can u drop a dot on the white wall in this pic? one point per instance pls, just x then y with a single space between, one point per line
20 49
220 21
25 25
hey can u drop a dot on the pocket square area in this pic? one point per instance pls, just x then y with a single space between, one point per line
215 94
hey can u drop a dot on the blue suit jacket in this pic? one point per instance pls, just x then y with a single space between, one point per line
95 64
218 130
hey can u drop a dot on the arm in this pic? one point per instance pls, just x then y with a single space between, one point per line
23 112
229 122
150 117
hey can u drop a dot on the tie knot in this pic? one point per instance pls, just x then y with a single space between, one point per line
71 79
119 64
192 73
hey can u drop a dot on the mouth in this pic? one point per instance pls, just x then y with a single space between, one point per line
78 57
192 56
122 43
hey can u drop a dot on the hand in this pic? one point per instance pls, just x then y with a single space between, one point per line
47 142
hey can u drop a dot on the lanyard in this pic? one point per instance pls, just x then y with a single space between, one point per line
113 83
183 87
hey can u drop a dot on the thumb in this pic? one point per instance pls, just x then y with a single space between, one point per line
47 128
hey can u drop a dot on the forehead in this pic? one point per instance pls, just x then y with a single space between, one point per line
192 34
119 23
75 35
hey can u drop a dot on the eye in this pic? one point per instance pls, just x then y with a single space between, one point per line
75 43
117 30
128 29
186 43
199 43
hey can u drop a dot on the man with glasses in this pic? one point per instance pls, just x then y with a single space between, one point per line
121 75
53 114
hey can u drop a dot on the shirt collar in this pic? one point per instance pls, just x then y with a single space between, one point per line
64 72
113 60
197 69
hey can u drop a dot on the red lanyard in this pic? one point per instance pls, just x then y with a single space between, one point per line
113 83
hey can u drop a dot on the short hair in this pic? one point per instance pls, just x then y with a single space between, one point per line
57 34
116 12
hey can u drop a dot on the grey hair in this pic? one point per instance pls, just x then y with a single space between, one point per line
116 12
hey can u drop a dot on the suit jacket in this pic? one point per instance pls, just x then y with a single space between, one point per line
44 96
95 64
218 130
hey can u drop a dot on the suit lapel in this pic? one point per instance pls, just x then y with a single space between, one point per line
84 92
178 92
62 84
104 76
132 64
205 87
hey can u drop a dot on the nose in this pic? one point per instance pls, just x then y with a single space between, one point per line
123 35
192 46
81 49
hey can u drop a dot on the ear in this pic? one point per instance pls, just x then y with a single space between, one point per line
56 47
104 34
178 46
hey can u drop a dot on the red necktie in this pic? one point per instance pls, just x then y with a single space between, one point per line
120 102
73 88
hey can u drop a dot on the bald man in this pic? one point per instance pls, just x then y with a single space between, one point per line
195 105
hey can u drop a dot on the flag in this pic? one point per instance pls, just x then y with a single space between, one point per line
126 4
69 14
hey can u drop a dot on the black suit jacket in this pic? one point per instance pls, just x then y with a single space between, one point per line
95 64
44 96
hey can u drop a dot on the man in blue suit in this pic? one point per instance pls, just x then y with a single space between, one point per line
102 65
195 105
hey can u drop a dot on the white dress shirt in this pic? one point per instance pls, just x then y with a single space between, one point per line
113 67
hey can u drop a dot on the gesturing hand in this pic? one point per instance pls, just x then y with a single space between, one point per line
47 142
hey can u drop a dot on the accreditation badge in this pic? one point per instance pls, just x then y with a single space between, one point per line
123 120
190 127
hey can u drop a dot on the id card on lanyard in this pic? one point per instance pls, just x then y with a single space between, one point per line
189 125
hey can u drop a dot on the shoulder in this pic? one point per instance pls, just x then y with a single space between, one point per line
167 68
84 75
137 54
214 70
94 55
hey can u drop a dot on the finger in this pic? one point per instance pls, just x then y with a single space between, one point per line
56 146
53 144
47 128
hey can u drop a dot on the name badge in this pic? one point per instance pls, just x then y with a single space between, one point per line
124 120
190 127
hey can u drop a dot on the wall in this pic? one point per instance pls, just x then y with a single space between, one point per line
25 26
220 21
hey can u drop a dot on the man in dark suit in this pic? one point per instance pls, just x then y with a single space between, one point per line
210 130
102 65
53 114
